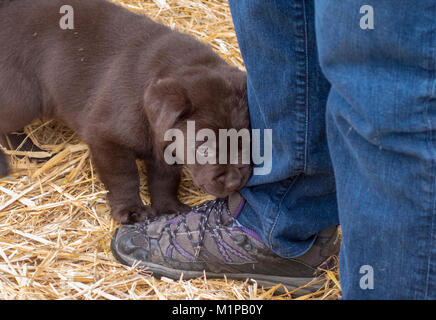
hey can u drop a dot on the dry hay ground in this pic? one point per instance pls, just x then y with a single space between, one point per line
55 226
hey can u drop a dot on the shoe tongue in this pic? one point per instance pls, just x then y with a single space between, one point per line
222 212
235 204
219 211
224 209
227 214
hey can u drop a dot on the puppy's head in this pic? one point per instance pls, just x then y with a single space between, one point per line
199 107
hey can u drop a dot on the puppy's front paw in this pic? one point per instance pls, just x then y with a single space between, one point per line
4 166
168 207
133 214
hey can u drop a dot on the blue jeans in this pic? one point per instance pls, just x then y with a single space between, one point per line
353 114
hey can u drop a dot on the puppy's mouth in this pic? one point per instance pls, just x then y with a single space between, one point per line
203 185
215 194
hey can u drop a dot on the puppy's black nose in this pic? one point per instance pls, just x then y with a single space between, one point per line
231 180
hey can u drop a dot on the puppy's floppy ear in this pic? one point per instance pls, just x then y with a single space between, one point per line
166 102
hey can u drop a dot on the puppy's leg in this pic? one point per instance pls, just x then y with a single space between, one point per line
19 105
117 169
163 182
4 166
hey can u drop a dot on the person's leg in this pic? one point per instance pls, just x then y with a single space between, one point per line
287 93
381 122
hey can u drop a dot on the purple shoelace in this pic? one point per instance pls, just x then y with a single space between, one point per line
216 208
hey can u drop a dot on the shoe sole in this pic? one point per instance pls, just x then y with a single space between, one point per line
304 285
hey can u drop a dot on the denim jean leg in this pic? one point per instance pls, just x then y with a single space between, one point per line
287 93
381 126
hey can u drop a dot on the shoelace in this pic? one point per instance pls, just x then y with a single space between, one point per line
216 207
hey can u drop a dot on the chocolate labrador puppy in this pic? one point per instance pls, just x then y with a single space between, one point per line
120 81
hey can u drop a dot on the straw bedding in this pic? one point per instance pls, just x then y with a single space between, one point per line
55 226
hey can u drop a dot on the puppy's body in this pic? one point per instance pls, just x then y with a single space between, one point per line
119 80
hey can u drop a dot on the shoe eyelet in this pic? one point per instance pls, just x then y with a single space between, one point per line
239 239
248 247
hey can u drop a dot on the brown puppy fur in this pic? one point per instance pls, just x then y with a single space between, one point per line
120 81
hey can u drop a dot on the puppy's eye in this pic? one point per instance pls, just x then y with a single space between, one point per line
203 151
206 151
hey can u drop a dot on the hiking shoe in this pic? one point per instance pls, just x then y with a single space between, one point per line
209 240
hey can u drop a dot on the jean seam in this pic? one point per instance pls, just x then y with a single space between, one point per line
304 38
270 233
253 92
286 252
302 89
306 136
301 10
